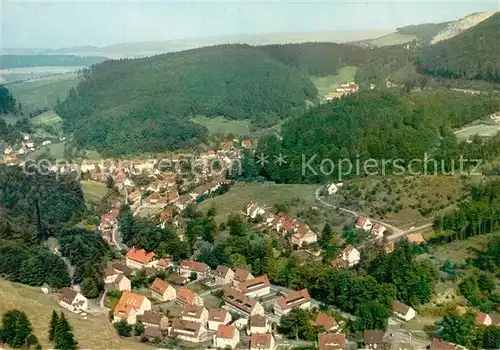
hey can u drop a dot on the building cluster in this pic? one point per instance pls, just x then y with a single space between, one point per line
342 90
12 154
299 232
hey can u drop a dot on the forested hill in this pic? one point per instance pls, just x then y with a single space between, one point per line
472 54
424 32
140 105
19 61
372 124
60 199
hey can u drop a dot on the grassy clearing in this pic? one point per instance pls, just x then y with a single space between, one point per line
393 39
330 82
54 150
459 251
47 118
483 130
43 92
235 200
94 333
93 191
221 125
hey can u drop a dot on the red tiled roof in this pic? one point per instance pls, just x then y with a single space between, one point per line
238 300
260 341
415 238
194 266
159 286
240 275
217 315
438 344
294 299
221 271
330 341
348 249
324 320
225 332
140 255
127 302
400 307
254 284
186 296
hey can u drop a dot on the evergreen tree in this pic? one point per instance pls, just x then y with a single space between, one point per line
23 331
123 328
110 182
63 337
326 235
54 319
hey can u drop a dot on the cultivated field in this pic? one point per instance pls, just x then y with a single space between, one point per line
221 125
54 150
483 130
330 82
43 92
93 191
94 333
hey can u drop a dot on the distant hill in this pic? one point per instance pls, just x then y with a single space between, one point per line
20 61
139 105
457 27
471 54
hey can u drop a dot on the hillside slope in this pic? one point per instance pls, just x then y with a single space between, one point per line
18 61
472 54
139 105
457 27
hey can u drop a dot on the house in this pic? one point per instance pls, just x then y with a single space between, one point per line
350 255
348 88
139 258
303 235
226 145
262 342
258 324
152 333
154 320
177 280
164 264
483 319
415 238
187 267
374 339
326 321
130 306
438 344
253 210
162 291
297 299
495 319
363 223
188 297
331 341
217 317
223 275
241 275
403 311
135 195
332 188
116 281
239 303
246 143
193 332
183 202
120 267
226 337
256 287
195 313
378 230
72 300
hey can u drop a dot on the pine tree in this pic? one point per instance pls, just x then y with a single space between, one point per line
53 325
326 235
23 331
63 337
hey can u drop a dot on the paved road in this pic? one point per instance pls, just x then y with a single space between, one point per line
397 232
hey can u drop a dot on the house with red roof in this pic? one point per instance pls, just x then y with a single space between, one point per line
241 275
297 299
331 341
415 238
130 306
226 337
325 321
193 332
363 223
195 313
256 287
262 342
403 311
216 317
188 297
187 267
162 291
139 258
378 230
303 235
237 302
223 275
483 319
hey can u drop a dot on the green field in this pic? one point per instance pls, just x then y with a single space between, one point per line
393 39
483 130
330 82
93 191
267 195
54 150
43 92
221 125
47 118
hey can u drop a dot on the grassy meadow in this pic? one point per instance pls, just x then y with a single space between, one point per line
221 125
330 82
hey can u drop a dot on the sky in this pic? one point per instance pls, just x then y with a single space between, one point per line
67 23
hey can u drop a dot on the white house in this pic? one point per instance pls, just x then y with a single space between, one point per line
253 210
350 255
223 275
139 258
162 291
258 324
193 332
363 223
378 230
116 280
297 299
226 337
72 300
195 313
130 306
256 287
239 303
216 317
403 311
332 188
187 267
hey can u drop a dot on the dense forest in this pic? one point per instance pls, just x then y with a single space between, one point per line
372 124
18 61
7 101
60 199
472 54
128 106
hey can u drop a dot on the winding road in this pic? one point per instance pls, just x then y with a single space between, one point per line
397 232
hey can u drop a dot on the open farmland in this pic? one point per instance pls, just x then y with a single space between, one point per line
93 191
330 82
94 333
221 125
483 130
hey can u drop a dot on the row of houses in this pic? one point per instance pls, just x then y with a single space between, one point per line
301 233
